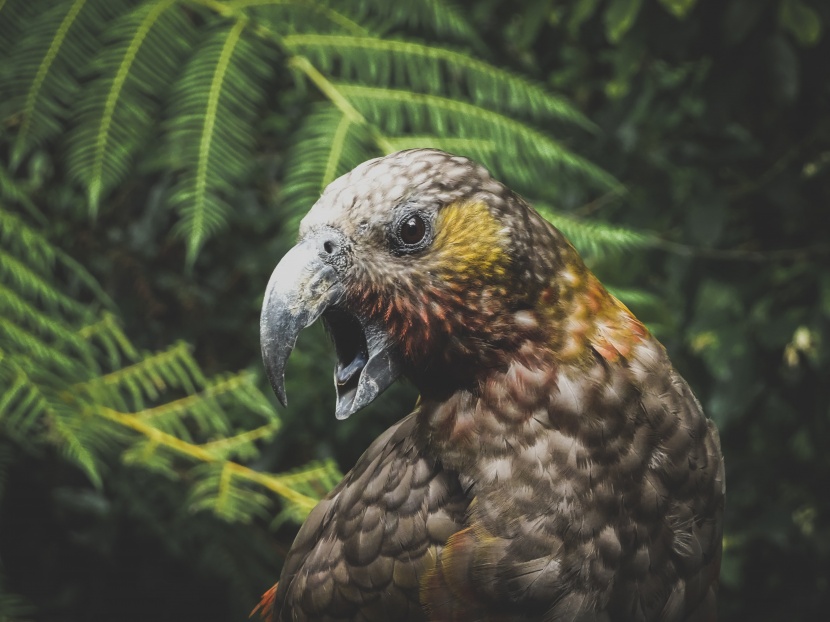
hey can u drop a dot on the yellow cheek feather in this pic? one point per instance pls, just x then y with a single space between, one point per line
470 242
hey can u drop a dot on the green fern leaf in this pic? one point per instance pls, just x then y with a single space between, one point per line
594 238
277 18
57 45
313 482
525 154
109 341
20 409
636 297
27 316
431 69
327 145
219 490
15 17
211 128
242 446
434 16
79 443
33 284
114 115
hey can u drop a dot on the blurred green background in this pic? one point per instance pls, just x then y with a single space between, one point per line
157 156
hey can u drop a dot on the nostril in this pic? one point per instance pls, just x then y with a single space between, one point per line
329 246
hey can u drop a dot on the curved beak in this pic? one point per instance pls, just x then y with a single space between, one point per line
304 286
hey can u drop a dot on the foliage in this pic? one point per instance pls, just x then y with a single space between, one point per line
191 77
159 154
74 381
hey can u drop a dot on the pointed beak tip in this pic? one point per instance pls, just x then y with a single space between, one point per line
342 415
278 386
282 397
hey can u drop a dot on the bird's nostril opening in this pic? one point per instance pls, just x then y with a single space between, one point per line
329 246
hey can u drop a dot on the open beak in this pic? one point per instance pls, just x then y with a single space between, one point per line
304 286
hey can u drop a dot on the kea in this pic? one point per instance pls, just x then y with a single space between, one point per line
556 467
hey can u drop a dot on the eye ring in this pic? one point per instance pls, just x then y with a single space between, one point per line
413 232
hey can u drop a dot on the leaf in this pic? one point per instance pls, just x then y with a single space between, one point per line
581 12
436 16
47 63
431 69
525 154
619 17
678 8
327 145
210 130
596 238
115 114
801 21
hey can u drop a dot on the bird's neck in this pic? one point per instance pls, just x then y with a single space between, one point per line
575 343
583 320
571 321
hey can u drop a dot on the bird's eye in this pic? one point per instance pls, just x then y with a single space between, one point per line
412 231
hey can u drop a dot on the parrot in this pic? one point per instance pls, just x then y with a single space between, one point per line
556 467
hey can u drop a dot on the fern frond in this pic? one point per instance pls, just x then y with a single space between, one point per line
214 106
431 69
80 441
29 263
15 17
451 145
327 145
313 481
199 413
52 356
27 316
131 388
435 16
40 350
242 446
31 409
219 489
11 190
636 297
106 336
340 101
199 425
278 17
21 406
21 240
28 260
34 285
525 154
160 442
116 111
145 454
594 238
159 410
59 42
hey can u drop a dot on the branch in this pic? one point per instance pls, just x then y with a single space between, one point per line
198 452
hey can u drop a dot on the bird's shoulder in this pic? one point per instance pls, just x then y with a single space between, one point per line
363 550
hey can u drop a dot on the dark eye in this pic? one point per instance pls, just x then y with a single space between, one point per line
412 230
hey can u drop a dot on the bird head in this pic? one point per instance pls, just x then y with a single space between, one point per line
420 264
